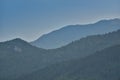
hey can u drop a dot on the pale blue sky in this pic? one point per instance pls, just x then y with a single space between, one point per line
29 19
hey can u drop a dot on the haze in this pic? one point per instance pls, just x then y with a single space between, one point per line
29 19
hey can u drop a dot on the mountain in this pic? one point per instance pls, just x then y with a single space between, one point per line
102 65
66 35
18 57
86 46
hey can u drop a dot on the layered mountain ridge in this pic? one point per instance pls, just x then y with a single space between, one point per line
19 60
66 35
102 65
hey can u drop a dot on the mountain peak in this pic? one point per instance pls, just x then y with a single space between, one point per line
15 42
18 39
116 20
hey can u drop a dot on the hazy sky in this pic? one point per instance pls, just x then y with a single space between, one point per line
29 19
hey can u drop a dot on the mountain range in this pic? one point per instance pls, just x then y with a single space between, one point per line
67 34
19 58
102 65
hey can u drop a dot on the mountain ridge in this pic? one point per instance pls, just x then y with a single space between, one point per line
102 65
18 58
67 34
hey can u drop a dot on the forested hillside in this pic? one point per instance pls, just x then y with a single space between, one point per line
102 65
19 57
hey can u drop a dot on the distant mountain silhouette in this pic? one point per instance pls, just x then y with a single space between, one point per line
71 33
102 65
86 46
18 58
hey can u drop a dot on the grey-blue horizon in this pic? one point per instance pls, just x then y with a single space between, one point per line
29 19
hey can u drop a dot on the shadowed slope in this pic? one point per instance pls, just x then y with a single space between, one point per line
103 65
